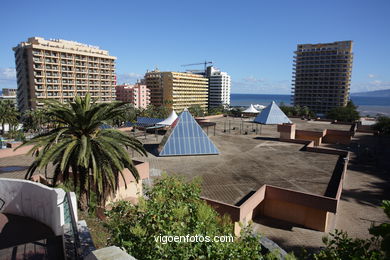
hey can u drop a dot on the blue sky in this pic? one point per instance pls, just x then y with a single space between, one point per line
253 41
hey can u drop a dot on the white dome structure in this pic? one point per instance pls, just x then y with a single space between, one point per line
170 119
251 109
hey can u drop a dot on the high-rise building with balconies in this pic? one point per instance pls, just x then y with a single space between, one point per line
219 87
177 90
322 75
62 70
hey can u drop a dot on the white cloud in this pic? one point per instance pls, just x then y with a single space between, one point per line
130 77
7 78
254 85
7 73
369 86
371 76
253 79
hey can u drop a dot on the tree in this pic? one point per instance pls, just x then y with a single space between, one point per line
382 125
174 207
305 111
235 112
196 110
8 115
80 151
155 111
297 110
348 113
286 109
129 115
217 110
34 120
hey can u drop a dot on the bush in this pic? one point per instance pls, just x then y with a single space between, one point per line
217 110
348 113
196 110
175 208
235 112
340 246
296 110
382 125
154 112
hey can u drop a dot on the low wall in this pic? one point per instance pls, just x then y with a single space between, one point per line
309 210
300 208
247 209
35 200
301 198
224 208
208 117
129 188
213 116
337 137
295 213
287 131
125 129
310 136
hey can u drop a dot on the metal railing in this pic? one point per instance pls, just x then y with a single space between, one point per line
72 245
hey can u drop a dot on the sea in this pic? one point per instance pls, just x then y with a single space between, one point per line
367 106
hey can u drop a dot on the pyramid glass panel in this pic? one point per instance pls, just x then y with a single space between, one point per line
186 137
272 115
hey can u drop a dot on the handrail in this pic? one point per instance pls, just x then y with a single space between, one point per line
74 232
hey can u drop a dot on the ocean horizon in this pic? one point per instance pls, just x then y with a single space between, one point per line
366 105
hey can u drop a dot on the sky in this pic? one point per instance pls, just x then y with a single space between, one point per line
254 41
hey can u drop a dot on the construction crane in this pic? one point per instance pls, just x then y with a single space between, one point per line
200 63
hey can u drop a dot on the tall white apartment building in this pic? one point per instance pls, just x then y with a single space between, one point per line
219 87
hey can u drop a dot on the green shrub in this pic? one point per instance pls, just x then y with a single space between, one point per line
174 207
196 110
348 113
217 110
382 125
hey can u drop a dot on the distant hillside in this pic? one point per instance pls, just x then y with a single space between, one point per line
375 93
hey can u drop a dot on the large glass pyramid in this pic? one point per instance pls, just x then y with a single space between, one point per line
186 137
272 115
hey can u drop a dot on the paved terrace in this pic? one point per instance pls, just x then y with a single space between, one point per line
16 167
367 183
247 162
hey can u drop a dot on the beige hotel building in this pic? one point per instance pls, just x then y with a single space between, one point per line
322 75
61 70
177 90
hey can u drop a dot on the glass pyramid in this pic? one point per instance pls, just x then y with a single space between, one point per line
272 115
186 137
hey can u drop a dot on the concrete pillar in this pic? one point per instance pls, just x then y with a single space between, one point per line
287 131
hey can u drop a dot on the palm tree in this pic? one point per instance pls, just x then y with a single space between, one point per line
34 120
8 114
93 158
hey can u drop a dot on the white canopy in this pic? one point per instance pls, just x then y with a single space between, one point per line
257 106
171 118
250 109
